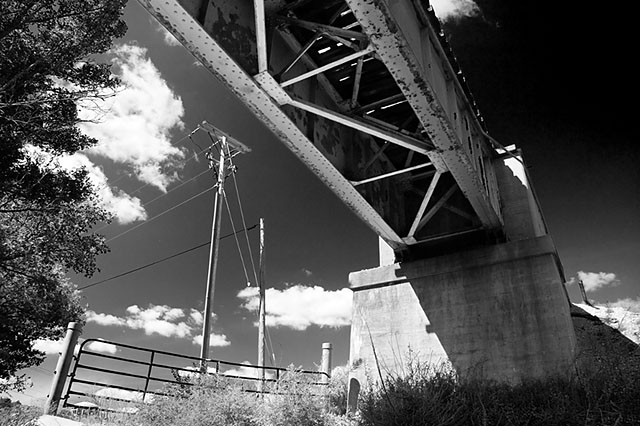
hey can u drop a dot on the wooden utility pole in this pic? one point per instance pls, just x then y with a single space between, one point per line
213 255
226 145
262 315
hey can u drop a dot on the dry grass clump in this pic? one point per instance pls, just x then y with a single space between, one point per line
16 414
216 400
607 393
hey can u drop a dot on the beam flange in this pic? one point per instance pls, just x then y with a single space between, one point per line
385 134
402 48
326 67
391 174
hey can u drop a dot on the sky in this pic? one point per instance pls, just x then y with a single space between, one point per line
553 80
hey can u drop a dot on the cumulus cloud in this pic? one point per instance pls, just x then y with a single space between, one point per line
125 208
157 319
594 281
122 394
215 340
452 9
48 346
103 347
133 126
299 307
54 347
247 370
629 304
167 37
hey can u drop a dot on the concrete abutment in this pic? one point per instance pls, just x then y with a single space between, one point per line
497 313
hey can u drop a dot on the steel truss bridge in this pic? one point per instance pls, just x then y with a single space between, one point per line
368 94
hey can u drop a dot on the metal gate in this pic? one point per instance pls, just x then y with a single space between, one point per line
110 382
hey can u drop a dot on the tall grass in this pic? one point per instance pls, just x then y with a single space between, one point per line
211 400
604 391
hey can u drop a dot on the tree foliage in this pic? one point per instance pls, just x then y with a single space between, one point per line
47 64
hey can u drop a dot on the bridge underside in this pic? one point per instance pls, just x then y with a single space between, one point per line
369 96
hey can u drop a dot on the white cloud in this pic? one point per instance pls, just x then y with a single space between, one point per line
122 394
594 281
103 347
49 347
452 9
155 319
298 307
632 305
54 347
247 371
103 319
124 207
167 37
215 340
133 126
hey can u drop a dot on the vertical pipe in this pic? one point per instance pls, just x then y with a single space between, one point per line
213 257
261 35
326 361
74 330
262 314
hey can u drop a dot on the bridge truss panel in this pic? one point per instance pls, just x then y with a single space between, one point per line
392 132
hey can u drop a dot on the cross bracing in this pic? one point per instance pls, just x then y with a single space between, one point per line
367 94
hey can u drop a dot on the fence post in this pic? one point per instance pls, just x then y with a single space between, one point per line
74 330
326 361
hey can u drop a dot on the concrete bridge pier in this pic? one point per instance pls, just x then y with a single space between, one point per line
497 312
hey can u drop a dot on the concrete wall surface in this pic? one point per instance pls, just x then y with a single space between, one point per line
498 312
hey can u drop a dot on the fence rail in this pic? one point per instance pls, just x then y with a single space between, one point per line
145 373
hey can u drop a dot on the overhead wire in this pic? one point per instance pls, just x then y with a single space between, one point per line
244 224
164 259
269 341
160 214
233 227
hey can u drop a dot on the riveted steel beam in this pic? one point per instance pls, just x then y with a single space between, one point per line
391 174
326 67
186 28
413 55
392 136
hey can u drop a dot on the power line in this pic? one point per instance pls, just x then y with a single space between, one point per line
160 214
131 271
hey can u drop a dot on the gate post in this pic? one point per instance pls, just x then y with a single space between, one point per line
326 361
61 372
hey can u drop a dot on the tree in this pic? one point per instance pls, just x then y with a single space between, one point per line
48 51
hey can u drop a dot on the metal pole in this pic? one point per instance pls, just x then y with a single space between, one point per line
261 37
326 361
74 330
213 256
261 321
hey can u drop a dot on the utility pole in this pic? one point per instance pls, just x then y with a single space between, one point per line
226 145
261 319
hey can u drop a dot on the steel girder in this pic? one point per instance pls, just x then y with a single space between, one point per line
378 113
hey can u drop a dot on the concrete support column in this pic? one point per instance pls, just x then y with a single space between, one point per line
497 312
